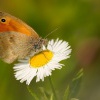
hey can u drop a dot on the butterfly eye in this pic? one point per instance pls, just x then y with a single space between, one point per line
3 20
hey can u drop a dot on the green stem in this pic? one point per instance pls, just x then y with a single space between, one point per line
33 94
52 87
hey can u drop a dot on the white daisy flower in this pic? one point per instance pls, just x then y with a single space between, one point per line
42 63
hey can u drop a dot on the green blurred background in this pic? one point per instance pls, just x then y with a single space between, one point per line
78 22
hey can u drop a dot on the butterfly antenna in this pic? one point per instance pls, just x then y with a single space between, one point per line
51 32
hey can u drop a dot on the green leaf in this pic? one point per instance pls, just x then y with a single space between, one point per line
78 75
43 93
74 99
66 94
51 97
32 93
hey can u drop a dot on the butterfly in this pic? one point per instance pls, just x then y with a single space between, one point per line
17 39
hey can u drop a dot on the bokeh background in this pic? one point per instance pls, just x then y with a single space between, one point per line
78 22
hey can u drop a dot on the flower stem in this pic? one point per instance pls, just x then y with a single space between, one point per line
33 94
52 87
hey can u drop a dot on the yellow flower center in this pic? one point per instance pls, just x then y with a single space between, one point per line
41 58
